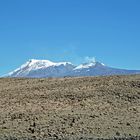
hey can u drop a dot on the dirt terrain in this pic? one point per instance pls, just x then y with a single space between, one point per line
70 108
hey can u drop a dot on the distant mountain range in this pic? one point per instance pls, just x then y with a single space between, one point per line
45 68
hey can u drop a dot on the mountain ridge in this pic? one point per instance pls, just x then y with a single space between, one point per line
45 68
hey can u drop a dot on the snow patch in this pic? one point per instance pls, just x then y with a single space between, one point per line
85 66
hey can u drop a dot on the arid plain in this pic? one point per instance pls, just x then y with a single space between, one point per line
70 108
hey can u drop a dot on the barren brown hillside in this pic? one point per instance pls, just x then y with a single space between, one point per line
70 108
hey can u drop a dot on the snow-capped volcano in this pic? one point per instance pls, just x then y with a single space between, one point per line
88 65
45 68
35 66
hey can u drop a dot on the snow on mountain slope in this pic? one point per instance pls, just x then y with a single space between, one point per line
36 65
85 66
33 64
45 68
88 65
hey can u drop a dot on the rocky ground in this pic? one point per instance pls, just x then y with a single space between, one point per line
70 108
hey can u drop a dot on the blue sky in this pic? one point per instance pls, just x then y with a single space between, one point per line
70 30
